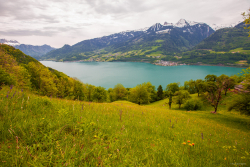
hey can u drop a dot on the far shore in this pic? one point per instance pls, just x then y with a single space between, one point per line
159 64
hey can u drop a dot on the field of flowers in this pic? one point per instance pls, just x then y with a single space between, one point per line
42 131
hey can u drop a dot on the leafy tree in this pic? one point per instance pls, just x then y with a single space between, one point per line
160 94
181 96
140 94
190 86
210 78
199 86
241 103
173 87
214 93
170 101
89 92
228 82
78 90
247 19
111 95
99 94
119 92
152 92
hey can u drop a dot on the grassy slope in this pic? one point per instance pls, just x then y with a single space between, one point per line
40 131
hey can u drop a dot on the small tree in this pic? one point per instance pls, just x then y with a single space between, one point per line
139 94
99 94
210 78
119 92
247 19
159 93
173 87
89 92
213 94
181 96
190 86
199 86
228 82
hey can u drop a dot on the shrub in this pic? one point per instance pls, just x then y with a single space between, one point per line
193 104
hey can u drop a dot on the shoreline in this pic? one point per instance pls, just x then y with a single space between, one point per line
157 64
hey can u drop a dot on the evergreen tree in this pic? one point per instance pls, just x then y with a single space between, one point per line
159 93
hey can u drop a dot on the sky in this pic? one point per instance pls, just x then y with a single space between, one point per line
60 22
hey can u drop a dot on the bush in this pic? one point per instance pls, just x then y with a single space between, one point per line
193 104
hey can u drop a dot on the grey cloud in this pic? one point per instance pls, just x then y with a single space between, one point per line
24 10
117 7
27 33
46 31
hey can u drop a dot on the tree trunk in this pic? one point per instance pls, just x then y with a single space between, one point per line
225 92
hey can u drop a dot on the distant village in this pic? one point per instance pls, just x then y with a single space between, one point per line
167 63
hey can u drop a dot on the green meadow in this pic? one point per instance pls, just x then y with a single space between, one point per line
44 131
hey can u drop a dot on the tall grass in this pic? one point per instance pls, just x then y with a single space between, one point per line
42 131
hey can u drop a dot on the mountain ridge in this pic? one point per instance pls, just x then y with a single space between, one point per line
174 38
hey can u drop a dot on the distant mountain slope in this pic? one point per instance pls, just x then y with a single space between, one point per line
34 51
137 44
227 46
227 39
31 50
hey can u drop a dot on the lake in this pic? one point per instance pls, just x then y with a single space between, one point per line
130 74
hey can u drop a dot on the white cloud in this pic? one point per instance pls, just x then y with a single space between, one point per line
59 22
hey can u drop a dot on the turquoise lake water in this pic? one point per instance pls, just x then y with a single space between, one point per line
130 74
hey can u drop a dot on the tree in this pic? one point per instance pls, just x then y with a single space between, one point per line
246 16
181 96
227 82
89 92
213 94
152 92
159 93
111 95
210 78
199 86
99 94
190 86
241 103
140 94
78 90
173 87
119 92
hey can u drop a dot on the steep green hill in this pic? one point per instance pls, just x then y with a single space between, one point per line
228 46
227 39
25 72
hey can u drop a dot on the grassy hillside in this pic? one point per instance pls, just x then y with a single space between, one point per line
43 131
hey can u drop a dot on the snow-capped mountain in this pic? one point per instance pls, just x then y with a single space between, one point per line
181 35
216 27
183 25
28 49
